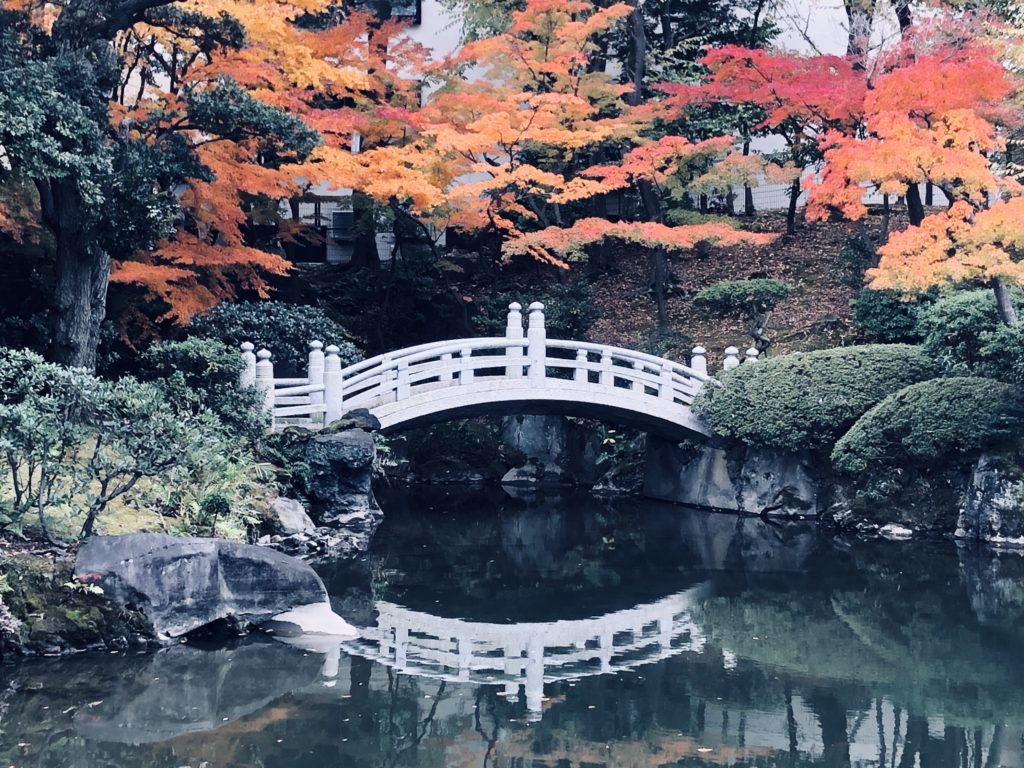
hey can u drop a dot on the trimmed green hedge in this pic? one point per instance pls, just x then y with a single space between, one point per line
807 400
929 422
952 328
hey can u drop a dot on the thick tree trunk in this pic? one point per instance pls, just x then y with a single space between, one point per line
80 304
858 25
794 196
638 44
915 208
748 192
883 238
659 259
1003 303
81 277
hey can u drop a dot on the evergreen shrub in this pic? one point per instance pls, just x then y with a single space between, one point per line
284 329
199 375
807 400
952 329
1002 354
569 310
931 422
730 295
886 317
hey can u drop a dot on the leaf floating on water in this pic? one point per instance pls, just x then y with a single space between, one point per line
702 750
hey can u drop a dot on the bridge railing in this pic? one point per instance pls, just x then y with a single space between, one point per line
523 357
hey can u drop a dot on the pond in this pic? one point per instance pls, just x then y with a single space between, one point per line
575 631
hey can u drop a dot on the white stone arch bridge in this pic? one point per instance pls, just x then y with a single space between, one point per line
520 372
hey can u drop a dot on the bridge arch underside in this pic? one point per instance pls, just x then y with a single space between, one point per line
619 406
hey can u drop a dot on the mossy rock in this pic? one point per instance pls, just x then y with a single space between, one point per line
360 418
54 617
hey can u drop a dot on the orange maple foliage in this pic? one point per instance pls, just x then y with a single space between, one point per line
928 119
796 98
535 134
359 76
519 136
553 244
518 130
958 246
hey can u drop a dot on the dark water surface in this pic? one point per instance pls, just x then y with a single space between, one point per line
577 632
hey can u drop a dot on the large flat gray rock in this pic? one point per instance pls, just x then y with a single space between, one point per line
183 583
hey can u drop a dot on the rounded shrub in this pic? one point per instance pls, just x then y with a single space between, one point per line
952 329
1002 354
198 375
285 329
931 422
761 293
886 317
807 400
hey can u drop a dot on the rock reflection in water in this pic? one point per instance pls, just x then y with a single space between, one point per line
797 651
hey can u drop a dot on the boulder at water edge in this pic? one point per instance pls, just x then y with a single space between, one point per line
183 583
341 473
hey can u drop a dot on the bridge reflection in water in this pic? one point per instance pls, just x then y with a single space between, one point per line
527 654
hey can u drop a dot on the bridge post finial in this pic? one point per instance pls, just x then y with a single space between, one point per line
514 333
699 360
248 376
315 374
536 344
265 382
752 355
332 385
732 358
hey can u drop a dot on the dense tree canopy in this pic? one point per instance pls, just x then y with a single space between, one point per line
141 140
152 137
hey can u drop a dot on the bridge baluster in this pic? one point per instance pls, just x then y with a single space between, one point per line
536 338
466 366
248 375
606 377
665 384
732 358
265 382
635 384
699 360
447 368
333 384
315 374
402 388
514 332
581 374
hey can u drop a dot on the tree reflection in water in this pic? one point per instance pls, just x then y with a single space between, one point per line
815 653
